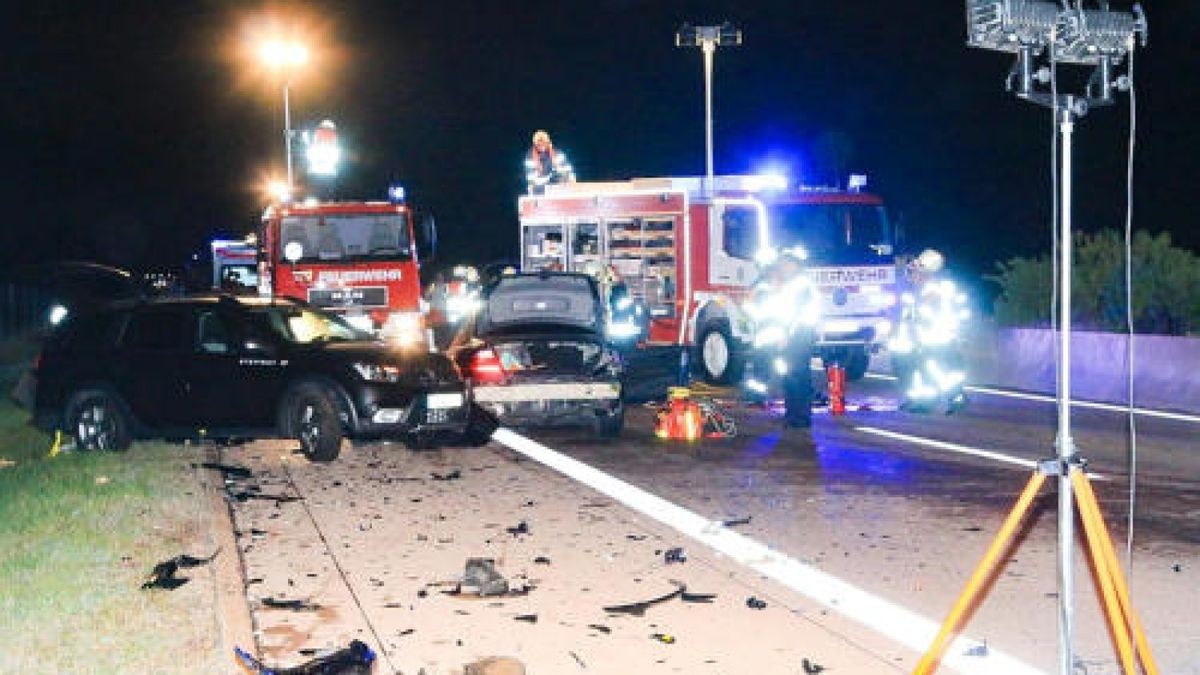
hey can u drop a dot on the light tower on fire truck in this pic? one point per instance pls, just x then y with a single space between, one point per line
708 38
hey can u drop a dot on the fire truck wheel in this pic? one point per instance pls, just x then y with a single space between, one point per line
97 421
720 363
313 420
609 425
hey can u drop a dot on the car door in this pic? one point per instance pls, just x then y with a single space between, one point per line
155 350
213 380
263 365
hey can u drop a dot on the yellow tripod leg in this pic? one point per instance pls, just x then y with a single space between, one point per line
983 571
56 446
1104 576
1086 497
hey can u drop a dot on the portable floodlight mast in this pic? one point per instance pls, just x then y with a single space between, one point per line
708 38
1060 34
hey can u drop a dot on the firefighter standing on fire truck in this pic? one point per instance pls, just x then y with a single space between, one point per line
786 308
545 165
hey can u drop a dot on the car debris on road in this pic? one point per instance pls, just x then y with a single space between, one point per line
353 660
163 574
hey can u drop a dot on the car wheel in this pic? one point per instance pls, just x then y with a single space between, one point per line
719 362
610 424
313 420
97 421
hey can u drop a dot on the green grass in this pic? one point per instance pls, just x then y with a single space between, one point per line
78 534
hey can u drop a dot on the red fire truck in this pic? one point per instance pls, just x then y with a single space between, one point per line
235 265
691 255
359 259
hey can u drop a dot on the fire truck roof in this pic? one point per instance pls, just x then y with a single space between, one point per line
768 188
326 208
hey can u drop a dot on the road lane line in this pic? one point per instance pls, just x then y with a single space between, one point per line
961 449
1076 403
898 623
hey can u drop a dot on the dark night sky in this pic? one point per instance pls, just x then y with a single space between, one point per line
134 132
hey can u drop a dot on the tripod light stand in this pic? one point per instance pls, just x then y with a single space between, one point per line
1100 39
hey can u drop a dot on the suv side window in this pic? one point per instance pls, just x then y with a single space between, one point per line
95 332
158 328
212 333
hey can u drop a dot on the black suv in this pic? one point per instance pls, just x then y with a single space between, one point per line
238 367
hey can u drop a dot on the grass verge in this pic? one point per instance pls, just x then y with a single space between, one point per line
78 534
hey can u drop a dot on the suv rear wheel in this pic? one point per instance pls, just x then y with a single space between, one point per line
312 419
97 421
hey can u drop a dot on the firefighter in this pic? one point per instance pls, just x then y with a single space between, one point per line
545 165
453 296
925 345
786 308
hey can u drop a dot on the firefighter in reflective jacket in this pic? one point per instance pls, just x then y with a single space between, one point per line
925 346
545 165
786 308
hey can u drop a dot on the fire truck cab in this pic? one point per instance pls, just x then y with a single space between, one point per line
691 256
358 259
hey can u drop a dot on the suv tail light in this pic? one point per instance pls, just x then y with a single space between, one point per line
486 367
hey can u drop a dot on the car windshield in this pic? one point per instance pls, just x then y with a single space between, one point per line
367 236
831 233
540 302
301 325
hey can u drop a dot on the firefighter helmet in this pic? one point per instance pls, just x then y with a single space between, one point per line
930 261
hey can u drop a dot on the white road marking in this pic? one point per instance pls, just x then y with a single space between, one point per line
961 449
953 447
1044 398
898 623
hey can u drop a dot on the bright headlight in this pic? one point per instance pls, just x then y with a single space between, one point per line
57 314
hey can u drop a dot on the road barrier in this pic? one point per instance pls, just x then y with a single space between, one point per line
1166 367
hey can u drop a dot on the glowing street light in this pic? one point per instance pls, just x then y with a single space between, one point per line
285 56
708 38
279 191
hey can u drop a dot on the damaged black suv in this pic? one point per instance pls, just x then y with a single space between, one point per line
238 368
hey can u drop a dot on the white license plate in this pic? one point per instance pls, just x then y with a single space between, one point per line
548 392
443 401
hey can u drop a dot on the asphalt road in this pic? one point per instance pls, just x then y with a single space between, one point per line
901 519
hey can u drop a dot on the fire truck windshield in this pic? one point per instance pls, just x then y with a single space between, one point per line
347 237
831 233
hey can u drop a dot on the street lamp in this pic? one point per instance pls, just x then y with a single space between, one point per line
708 38
284 56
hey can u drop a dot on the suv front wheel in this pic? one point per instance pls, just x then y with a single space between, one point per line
97 421
312 419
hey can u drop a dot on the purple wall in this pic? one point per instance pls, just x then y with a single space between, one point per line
1166 368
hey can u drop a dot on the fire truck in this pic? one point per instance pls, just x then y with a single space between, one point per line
235 265
690 255
358 259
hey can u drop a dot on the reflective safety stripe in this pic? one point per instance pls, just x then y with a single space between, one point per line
537 392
